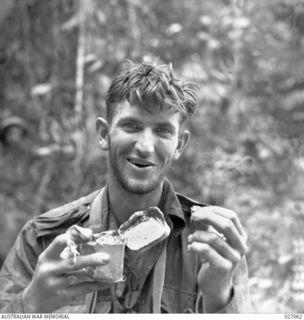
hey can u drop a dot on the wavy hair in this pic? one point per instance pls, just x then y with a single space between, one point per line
152 85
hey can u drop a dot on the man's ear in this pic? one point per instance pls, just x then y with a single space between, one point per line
183 140
102 129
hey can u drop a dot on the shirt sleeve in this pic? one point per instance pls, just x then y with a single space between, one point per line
17 270
240 301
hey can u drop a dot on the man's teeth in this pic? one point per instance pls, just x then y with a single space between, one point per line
139 164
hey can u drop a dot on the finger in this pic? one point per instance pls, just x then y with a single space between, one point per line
207 253
72 264
233 217
79 234
72 278
79 276
84 274
229 214
62 281
223 212
222 224
217 243
75 234
52 252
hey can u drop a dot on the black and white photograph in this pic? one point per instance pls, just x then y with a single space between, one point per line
151 157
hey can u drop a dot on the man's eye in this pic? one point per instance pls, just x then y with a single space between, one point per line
164 132
131 126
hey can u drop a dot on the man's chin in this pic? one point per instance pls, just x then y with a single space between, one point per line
141 187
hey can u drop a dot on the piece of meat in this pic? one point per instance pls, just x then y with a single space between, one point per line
144 229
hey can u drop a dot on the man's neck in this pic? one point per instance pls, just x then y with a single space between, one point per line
124 203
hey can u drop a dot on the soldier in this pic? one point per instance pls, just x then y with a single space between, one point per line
196 269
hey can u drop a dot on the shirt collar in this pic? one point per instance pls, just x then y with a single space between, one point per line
171 207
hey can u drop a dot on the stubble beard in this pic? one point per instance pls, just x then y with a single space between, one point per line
127 184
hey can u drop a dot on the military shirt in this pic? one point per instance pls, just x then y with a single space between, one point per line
163 279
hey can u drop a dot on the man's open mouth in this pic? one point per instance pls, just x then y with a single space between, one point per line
141 163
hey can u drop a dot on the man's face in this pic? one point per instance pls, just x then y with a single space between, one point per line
142 145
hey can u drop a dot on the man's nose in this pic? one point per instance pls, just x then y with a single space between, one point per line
145 142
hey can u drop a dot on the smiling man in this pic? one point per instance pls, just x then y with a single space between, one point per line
199 267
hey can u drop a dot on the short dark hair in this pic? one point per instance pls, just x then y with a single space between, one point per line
150 85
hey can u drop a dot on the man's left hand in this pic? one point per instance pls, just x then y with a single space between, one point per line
220 242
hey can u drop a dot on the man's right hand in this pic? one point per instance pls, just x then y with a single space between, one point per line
56 281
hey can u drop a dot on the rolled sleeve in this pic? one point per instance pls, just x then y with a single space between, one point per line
15 305
17 270
240 301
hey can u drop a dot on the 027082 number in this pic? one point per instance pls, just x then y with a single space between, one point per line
293 316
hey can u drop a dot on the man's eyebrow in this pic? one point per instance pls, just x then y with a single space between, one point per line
128 118
166 124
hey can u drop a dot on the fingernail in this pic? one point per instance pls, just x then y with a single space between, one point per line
193 216
103 257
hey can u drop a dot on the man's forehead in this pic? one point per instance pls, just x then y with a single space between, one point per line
148 109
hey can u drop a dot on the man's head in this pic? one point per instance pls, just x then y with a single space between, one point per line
151 86
143 131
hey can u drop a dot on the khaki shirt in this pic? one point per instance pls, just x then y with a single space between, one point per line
167 272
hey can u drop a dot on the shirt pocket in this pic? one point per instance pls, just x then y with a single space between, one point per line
177 300
104 302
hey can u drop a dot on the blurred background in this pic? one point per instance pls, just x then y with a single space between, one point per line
57 59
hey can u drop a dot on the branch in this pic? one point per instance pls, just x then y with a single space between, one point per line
135 32
80 61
